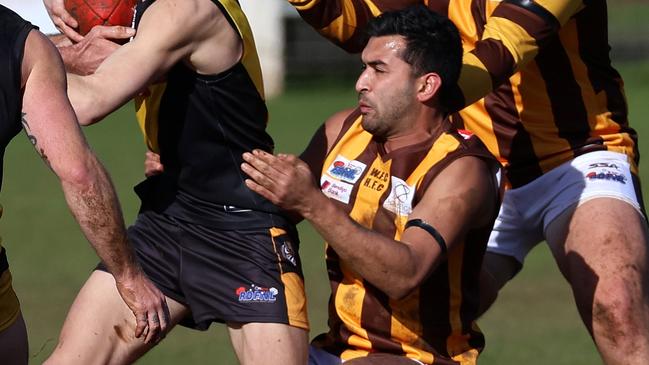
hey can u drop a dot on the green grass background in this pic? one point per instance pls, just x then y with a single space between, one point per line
533 322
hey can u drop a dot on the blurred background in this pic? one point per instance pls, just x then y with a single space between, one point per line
534 320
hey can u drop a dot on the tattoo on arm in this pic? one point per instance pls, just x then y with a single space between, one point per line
32 138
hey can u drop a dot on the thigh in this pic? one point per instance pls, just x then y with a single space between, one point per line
601 248
100 328
13 343
269 343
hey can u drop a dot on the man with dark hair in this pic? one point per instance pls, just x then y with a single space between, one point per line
540 91
405 203
33 97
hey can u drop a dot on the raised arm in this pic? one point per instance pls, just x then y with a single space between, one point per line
512 36
52 128
460 198
169 31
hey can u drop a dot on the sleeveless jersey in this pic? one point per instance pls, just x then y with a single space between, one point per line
555 94
13 35
435 323
201 125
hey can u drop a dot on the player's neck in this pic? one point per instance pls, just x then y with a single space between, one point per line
424 126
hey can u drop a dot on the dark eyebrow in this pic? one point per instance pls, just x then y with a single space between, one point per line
373 64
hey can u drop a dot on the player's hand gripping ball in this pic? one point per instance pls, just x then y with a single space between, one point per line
100 12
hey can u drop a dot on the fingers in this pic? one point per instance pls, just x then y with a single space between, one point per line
67 30
112 32
252 185
141 324
152 165
153 328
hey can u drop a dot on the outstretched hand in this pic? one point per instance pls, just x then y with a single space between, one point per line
148 305
83 57
285 180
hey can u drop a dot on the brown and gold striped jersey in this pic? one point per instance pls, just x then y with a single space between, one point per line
379 189
537 76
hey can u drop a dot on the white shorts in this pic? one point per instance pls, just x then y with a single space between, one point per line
527 211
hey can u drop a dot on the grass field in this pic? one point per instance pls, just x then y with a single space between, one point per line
533 322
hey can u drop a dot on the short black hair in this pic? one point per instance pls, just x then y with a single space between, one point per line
433 43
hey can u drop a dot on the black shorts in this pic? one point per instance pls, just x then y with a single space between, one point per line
244 275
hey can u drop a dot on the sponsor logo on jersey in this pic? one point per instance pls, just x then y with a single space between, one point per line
612 176
288 253
256 294
335 189
400 199
346 170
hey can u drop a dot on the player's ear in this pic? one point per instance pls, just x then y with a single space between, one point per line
429 85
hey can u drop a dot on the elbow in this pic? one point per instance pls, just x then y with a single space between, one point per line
85 115
404 288
80 174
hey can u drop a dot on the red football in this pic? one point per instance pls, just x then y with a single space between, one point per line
100 12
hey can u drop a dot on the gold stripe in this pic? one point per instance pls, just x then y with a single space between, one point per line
477 120
562 10
514 37
350 150
296 304
459 12
349 306
303 4
475 79
147 110
350 293
443 145
250 59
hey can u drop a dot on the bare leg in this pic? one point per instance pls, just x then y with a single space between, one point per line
13 343
601 249
100 328
269 343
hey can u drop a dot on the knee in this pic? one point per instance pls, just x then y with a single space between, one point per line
620 307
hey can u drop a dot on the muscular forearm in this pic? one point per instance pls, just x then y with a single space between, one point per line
91 198
388 264
87 102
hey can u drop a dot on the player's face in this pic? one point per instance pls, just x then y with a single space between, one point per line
386 88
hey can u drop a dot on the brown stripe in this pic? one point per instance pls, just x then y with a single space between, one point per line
568 109
439 6
457 121
390 5
335 278
322 14
376 319
479 16
496 58
433 310
592 33
534 25
514 142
